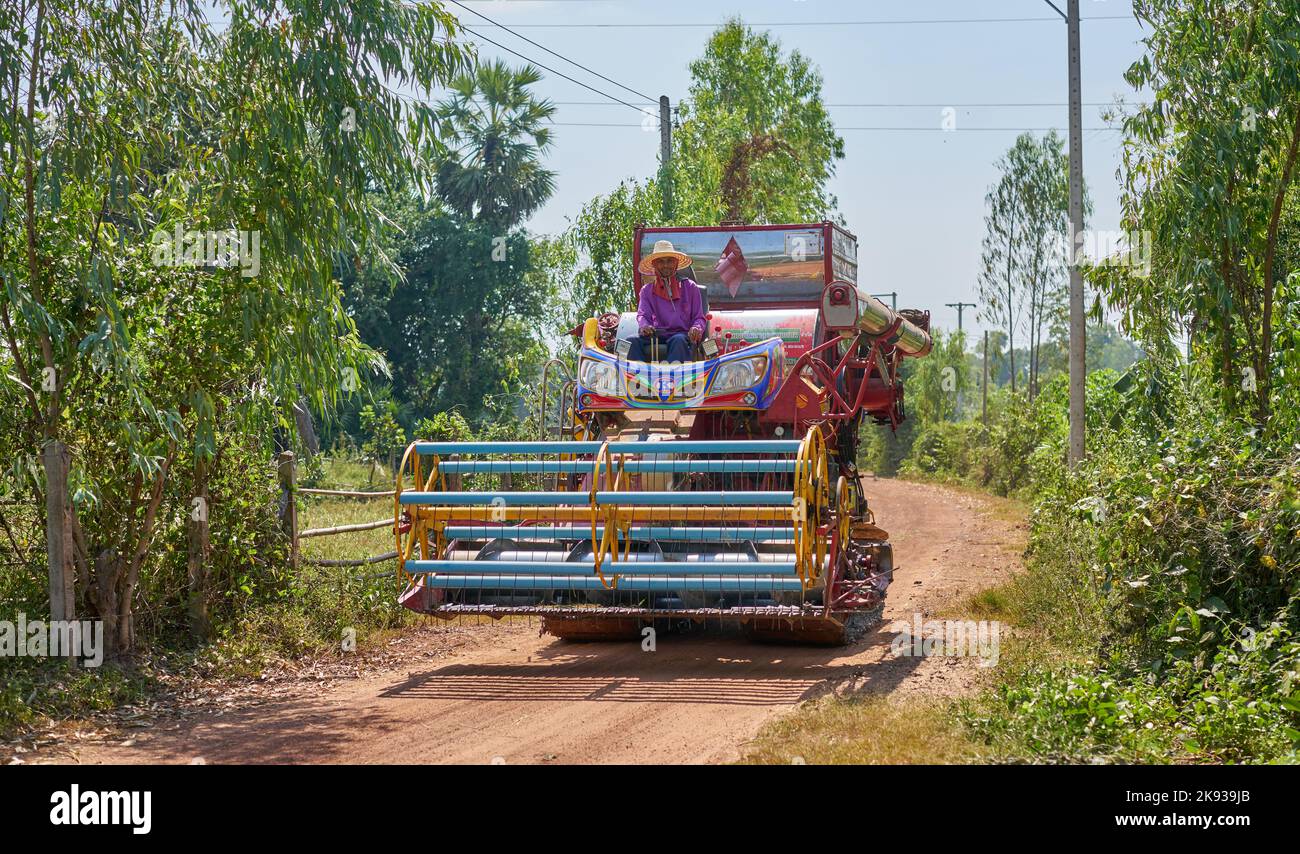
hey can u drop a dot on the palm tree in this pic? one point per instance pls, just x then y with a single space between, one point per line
495 130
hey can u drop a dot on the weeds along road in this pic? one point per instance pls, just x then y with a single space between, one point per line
500 693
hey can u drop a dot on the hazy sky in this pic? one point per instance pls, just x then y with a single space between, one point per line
915 198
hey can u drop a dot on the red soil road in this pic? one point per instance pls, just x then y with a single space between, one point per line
507 695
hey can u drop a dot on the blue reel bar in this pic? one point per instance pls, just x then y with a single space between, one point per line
625 567
776 446
671 584
632 466
720 534
562 499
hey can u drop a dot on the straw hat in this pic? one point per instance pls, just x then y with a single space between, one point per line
663 249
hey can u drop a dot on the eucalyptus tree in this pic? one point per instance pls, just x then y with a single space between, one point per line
176 180
1045 194
1023 270
1001 259
1208 166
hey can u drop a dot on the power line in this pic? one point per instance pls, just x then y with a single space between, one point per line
838 128
553 71
871 128
551 52
873 23
899 104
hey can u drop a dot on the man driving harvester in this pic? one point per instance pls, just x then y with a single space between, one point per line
669 308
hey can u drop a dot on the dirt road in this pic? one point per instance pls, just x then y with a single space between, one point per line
499 693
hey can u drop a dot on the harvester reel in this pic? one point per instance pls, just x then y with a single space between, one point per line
625 545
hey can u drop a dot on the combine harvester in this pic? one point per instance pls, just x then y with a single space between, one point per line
719 490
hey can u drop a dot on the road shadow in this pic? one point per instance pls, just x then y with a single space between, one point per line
694 669
324 727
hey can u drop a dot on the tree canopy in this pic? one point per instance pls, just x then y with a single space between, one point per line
755 144
497 132
174 196
1208 166
462 327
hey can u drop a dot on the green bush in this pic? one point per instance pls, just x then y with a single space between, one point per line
1188 531
1021 442
1242 708
1172 556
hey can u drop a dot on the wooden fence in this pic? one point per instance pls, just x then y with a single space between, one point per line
289 490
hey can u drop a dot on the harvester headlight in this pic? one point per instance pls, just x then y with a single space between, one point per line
600 377
744 373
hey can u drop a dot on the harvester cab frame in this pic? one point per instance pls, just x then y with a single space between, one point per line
791 291
722 489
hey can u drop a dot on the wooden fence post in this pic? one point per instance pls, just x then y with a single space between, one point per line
62 587
289 503
199 544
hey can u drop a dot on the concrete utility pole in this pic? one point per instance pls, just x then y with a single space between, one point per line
1078 328
959 306
666 156
984 406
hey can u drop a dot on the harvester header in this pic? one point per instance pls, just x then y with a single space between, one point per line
702 460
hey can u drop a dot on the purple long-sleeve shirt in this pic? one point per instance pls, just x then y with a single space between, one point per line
671 316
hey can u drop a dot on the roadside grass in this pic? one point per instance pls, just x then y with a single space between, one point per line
340 472
35 690
992 603
1053 623
1066 690
329 512
866 730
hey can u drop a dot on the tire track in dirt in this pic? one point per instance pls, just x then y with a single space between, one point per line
510 696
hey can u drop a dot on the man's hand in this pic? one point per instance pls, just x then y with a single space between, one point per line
695 335
647 331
